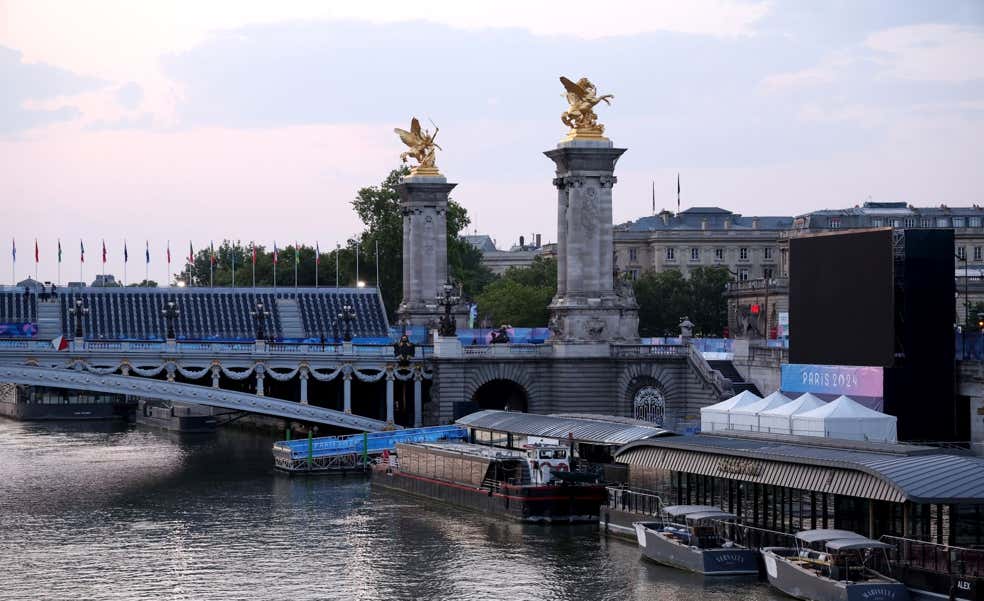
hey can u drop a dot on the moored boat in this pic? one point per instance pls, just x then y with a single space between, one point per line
533 485
842 571
688 537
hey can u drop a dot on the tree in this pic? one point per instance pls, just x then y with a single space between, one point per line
709 311
522 295
667 296
143 284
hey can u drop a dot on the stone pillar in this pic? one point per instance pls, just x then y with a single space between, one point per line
259 380
304 384
347 389
215 376
418 412
591 309
389 395
424 204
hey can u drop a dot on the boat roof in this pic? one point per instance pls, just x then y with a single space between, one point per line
686 510
712 515
827 534
848 544
591 429
467 448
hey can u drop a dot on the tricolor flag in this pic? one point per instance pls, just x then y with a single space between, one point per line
317 254
60 343
168 252
252 245
37 254
81 251
59 250
191 253
126 254
13 248
147 251
275 253
104 251
211 248
297 253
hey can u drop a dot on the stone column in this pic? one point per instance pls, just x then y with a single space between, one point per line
418 412
590 309
347 388
215 376
424 204
389 395
304 385
259 380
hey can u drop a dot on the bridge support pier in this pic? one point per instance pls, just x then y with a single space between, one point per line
389 395
304 386
418 417
347 388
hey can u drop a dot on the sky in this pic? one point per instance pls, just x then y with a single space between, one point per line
189 121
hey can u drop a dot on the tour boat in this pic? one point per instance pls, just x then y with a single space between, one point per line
688 537
843 571
534 484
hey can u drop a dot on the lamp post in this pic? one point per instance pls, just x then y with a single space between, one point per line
260 315
170 313
78 311
346 315
447 299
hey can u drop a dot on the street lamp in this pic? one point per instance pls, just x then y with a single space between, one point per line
78 311
260 314
447 299
346 315
170 313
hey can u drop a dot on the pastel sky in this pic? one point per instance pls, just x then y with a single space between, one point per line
258 120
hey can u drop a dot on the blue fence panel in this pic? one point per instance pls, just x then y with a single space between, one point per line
376 442
18 330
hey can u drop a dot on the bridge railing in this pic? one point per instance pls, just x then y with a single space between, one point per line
372 443
507 350
650 350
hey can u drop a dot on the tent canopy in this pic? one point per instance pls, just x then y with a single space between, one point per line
847 419
718 416
746 417
778 419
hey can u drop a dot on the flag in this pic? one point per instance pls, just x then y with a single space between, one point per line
59 250
317 254
253 248
81 252
275 253
297 253
168 252
104 251
37 254
147 251
678 192
126 253
654 197
211 251
191 253
60 343
13 248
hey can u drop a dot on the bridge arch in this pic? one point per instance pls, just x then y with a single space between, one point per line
644 393
501 394
511 378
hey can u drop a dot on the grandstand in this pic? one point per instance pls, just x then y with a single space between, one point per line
209 314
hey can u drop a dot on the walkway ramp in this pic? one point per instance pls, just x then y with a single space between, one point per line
290 318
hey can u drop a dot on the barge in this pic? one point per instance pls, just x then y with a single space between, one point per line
530 485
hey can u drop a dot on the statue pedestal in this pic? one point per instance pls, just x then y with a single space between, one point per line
590 309
447 347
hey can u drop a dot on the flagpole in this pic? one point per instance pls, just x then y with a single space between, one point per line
234 264
356 263
125 258
377 263
252 252
59 262
338 250
317 262
297 259
36 259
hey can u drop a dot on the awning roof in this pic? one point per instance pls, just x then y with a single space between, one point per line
826 534
595 430
678 510
881 471
850 544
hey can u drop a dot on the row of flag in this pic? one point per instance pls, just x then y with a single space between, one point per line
191 252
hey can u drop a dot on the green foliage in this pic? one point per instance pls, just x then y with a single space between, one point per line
667 296
521 296
143 284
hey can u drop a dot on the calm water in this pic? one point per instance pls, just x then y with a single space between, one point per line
118 512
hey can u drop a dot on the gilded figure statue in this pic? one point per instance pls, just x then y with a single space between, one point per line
421 143
580 116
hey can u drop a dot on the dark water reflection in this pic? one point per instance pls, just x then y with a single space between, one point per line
117 512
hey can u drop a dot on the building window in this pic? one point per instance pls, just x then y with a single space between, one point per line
974 222
633 255
896 223
695 254
767 273
743 253
910 222
876 222
958 222
977 254
942 222
835 223
768 253
633 274
962 252
719 254
671 254
743 274
925 222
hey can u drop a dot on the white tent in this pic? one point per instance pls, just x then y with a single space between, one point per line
746 417
778 419
718 416
846 419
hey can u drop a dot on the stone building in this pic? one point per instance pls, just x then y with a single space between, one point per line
518 255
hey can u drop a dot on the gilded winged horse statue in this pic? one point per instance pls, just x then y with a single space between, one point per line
580 116
421 143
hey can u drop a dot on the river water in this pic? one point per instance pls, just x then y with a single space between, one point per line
91 511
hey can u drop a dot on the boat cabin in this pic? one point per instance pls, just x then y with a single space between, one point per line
696 525
839 555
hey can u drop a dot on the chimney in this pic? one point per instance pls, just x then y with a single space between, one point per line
666 218
522 241
538 240
727 223
703 223
755 223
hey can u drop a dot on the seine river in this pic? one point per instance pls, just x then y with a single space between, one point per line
122 512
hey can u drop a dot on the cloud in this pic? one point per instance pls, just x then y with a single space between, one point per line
30 82
129 95
138 121
939 53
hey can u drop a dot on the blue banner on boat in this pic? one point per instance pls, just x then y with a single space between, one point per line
18 330
833 379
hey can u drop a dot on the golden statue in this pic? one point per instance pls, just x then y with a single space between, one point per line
421 143
580 116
